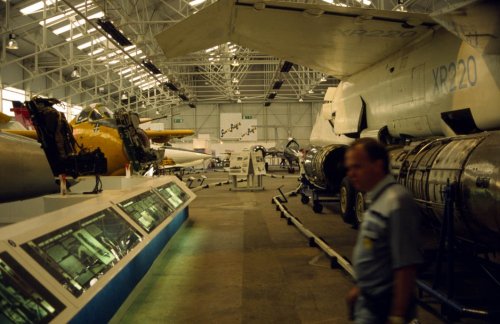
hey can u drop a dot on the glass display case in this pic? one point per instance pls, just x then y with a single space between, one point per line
147 209
173 194
78 254
23 298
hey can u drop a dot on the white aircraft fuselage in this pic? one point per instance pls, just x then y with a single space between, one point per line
408 91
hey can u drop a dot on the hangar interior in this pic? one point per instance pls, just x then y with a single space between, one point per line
231 256
63 51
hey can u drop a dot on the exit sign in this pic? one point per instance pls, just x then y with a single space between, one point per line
247 117
178 120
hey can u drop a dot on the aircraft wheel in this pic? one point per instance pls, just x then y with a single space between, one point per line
304 199
317 208
360 208
347 201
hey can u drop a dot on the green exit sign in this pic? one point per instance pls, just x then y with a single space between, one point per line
178 120
247 117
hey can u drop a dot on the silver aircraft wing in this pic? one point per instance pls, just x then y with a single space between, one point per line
335 40
476 22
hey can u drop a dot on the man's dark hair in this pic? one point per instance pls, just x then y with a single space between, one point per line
375 150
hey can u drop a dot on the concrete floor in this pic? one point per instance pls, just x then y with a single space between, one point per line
236 261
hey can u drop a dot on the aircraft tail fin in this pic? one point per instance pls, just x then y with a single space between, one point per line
476 22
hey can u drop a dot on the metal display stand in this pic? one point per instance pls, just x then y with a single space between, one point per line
251 165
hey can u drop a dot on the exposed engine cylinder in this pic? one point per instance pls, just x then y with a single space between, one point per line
324 166
472 162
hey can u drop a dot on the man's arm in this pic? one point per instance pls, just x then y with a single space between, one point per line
404 287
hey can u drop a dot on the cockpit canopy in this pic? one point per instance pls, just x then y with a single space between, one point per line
93 113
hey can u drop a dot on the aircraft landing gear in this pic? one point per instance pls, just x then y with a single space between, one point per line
304 199
360 209
317 208
352 204
346 194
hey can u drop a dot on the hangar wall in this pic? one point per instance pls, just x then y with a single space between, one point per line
274 123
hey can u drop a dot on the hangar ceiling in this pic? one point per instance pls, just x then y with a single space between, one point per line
66 42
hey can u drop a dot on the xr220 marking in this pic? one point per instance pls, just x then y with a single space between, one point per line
456 75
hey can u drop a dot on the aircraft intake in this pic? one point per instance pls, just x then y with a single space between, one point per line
471 162
324 166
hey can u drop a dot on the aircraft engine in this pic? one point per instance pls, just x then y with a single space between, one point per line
472 162
324 166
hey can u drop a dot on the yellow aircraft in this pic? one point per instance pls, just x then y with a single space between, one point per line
117 135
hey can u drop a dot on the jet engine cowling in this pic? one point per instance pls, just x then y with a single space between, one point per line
472 163
324 166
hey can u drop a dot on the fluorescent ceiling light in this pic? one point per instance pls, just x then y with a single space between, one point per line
195 3
365 2
113 62
77 23
125 71
328 1
208 50
310 91
97 51
35 7
134 53
67 13
90 31
139 76
92 42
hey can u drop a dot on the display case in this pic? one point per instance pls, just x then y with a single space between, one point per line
78 254
23 298
79 263
173 194
147 209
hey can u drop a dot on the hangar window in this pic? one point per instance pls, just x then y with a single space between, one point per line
9 95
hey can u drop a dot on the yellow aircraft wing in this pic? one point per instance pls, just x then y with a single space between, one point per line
164 136
22 132
335 40
156 136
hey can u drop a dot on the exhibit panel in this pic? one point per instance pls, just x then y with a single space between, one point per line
24 298
78 254
79 263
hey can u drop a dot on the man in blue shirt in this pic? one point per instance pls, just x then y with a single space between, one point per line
386 253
